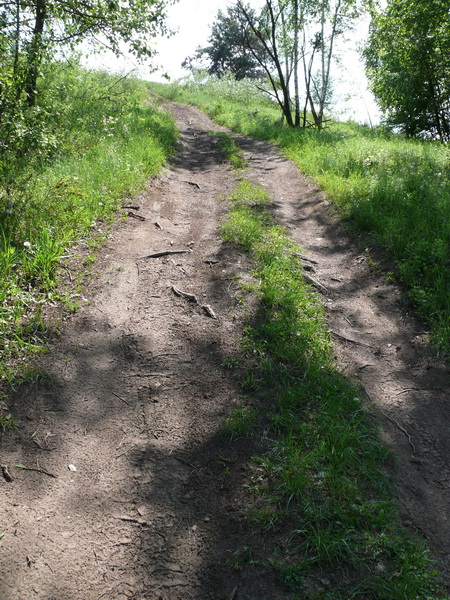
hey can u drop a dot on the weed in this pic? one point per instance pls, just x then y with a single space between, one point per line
240 422
33 376
241 557
231 363
231 151
7 421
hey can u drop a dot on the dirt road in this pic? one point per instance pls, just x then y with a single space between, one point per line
136 492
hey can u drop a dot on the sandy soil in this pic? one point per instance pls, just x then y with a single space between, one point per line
137 492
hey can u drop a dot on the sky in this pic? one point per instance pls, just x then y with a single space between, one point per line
192 20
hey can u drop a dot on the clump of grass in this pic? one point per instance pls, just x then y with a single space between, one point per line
7 421
231 151
394 189
322 489
240 422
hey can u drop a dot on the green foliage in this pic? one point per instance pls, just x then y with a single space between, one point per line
106 140
228 51
322 490
407 59
134 23
395 189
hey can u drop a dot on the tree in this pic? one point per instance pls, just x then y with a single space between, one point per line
333 18
228 51
266 30
408 66
298 31
33 29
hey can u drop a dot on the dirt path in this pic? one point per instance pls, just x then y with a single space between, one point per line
138 392
379 345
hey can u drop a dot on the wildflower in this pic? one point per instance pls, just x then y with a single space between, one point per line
27 244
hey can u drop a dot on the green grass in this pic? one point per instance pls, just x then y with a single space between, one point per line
104 139
241 421
394 190
230 150
322 500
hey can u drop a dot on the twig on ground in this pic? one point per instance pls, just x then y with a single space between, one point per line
401 429
43 471
316 283
310 260
165 253
190 297
209 311
151 375
416 389
185 462
346 339
123 399
179 523
194 184
135 216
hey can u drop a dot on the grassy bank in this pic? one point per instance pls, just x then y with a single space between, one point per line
395 190
322 502
92 141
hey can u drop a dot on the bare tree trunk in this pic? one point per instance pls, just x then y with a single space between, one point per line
327 56
270 45
296 61
307 69
17 40
35 52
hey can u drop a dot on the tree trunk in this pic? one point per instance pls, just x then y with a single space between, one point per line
17 41
35 53
271 47
296 60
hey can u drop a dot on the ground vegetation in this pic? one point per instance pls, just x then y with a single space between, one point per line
62 179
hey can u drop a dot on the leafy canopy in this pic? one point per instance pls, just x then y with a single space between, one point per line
408 66
228 50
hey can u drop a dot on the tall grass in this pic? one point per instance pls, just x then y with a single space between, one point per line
394 189
103 140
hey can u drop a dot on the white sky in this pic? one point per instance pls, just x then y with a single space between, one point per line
192 19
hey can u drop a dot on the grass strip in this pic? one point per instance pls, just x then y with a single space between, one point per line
108 140
322 498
